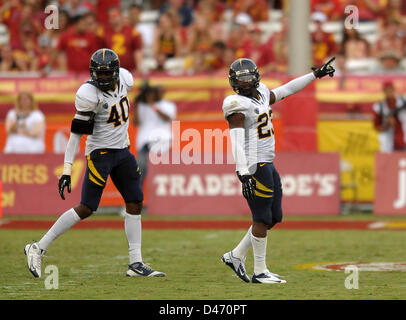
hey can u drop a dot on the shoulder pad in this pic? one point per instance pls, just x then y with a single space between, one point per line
126 77
86 97
234 104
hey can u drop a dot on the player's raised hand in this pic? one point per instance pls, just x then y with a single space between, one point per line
248 186
64 182
325 69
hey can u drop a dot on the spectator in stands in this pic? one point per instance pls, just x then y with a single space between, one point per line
168 41
323 43
123 39
368 10
102 7
391 39
389 62
216 57
278 42
18 18
261 52
390 120
76 8
394 11
257 9
199 45
44 54
26 52
212 9
184 11
199 37
145 29
76 46
239 38
63 25
4 35
8 8
153 116
25 126
353 45
331 8
91 22
8 63
229 57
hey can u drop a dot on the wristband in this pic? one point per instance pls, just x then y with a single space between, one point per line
67 169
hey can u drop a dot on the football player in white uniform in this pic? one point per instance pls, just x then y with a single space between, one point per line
249 116
102 113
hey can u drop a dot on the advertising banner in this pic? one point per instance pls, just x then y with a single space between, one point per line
356 141
30 185
310 185
390 190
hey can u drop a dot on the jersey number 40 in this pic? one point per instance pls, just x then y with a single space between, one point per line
115 117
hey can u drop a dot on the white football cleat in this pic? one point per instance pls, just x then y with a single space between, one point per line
267 277
34 258
236 264
141 269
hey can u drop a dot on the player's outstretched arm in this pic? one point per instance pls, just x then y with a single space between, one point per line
299 83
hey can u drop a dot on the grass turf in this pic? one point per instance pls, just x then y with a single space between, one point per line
92 265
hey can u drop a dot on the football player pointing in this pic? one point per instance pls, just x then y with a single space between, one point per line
102 113
249 117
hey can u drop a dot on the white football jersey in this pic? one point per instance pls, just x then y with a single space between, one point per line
111 110
152 129
259 132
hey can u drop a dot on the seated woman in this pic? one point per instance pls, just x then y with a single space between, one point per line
25 126
168 41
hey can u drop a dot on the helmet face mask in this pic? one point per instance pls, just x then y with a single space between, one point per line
244 77
104 69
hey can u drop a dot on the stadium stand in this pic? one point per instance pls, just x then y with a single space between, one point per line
14 17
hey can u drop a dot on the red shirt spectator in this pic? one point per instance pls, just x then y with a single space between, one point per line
212 9
392 39
216 59
278 44
368 10
331 8
10 16
261 53
323 43
123 40
257 9
16 16
78 44
240 41
102 9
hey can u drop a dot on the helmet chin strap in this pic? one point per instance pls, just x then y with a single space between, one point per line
107 86
252 92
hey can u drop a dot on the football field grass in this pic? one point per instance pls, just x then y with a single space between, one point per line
92 264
